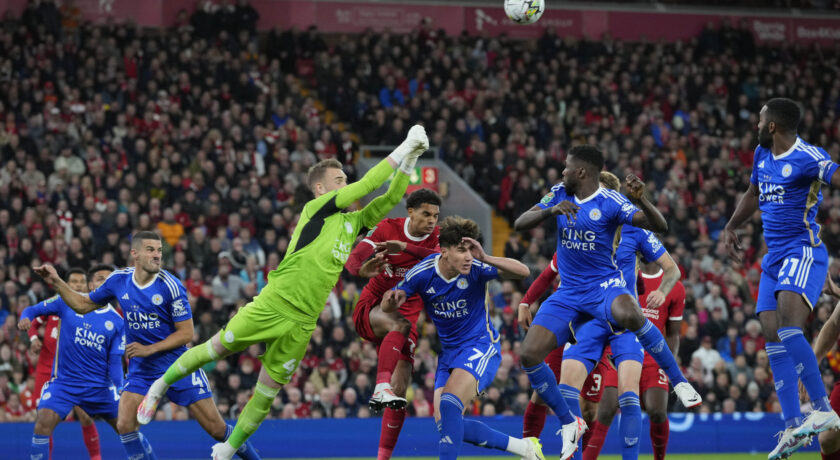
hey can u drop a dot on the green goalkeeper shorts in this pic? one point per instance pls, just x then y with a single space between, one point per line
285 340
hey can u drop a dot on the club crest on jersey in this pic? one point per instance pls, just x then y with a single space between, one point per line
595 214
547 198
157 299
787 170
109 325
462 283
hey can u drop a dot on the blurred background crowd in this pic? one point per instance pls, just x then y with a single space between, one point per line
204 131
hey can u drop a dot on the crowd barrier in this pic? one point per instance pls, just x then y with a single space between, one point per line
690 433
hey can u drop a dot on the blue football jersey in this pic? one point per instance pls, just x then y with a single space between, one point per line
636 240
456 306
586 245
789 193
151 312
85 342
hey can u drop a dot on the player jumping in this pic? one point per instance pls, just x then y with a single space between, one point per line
46 358
399 244
452 285
284 314
88 368
589 220
158 326
785 185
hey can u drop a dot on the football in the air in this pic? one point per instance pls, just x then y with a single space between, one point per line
524 11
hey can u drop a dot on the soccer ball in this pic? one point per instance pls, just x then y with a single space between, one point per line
524 11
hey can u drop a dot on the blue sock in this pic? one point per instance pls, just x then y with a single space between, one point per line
784 376
630 425
478 433
806 366
572 397
133 445
150 453
545 384
40 449
653 341
246 451
452 426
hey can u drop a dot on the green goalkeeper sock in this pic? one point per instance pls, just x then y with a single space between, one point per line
253 414
190 361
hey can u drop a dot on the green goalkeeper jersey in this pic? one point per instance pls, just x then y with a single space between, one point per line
322 241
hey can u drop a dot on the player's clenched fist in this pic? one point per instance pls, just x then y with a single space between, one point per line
392 299
635 187
24 324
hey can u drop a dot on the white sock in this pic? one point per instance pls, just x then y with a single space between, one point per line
517 446
158 388
381 386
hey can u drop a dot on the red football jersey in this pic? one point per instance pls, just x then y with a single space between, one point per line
674 304
46 357
397 264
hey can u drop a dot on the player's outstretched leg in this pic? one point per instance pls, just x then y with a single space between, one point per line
626 313
193 359
533 421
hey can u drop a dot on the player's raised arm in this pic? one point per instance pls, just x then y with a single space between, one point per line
508 268
80 303
404 156
649 218
47 307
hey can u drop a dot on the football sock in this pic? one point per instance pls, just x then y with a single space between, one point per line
392 422
659 439
534 420
805 364
544 382
451 426
653 341
91 438
630 425
40 448
572 397
133 446
190 361
785 379
389 354
253 414
592 449
246 451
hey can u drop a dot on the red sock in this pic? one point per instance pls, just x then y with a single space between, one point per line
587 435
50 447
392 422
592 449
831 456
389 353
659 439
91 437
534 420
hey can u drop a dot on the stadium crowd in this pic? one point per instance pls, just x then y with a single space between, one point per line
204 132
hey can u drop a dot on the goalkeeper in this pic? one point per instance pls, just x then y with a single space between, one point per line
284 313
